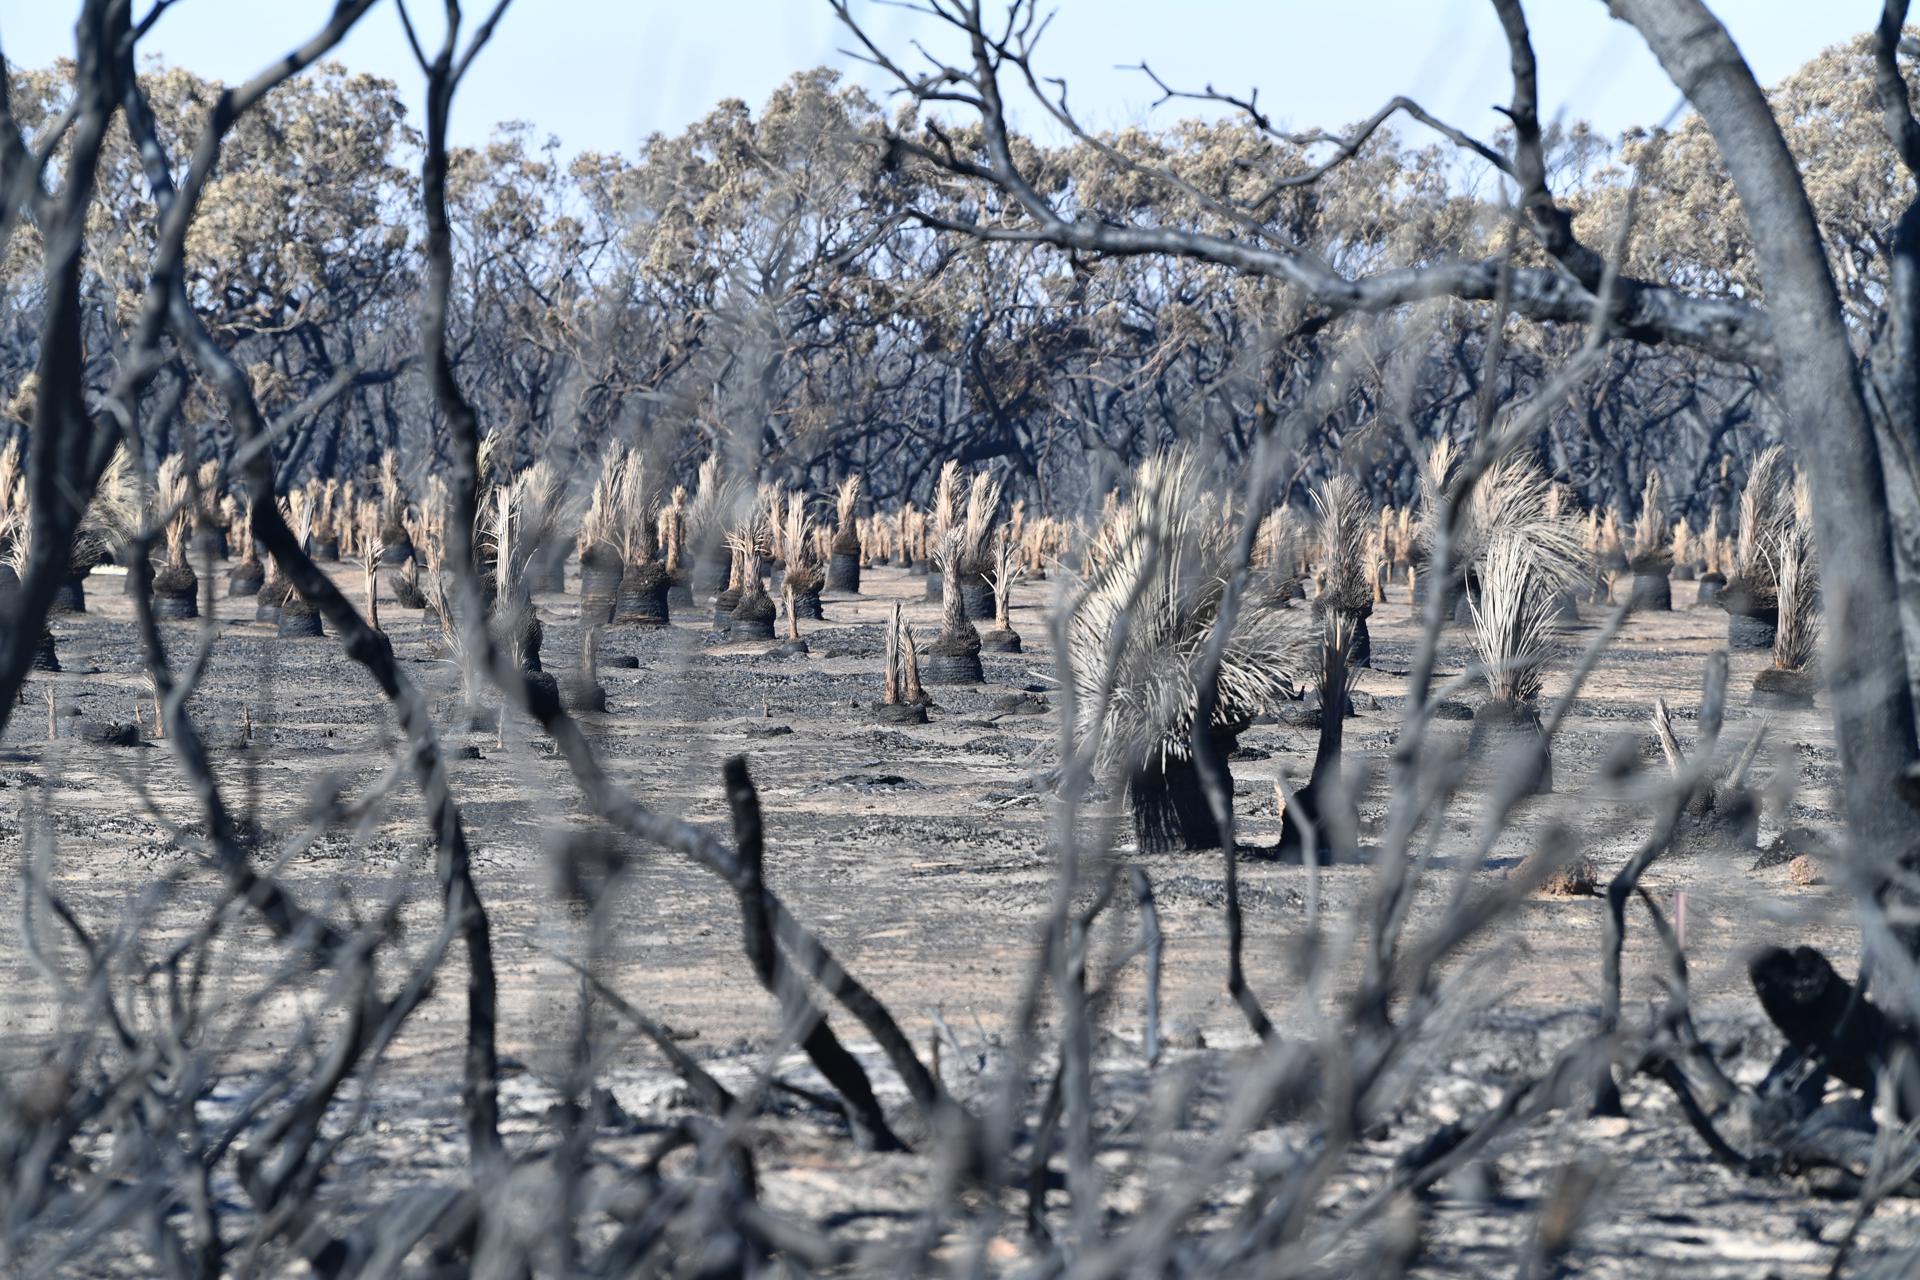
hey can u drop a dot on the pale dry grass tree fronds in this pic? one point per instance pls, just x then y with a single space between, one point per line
634 531
951 558
1650 544
910 690
1036 547
890 683
797 542
904 523
983 502
209 502
1516 612
369 545
174 506
846 535
748 545
326 519
598 538
1713 546
113 518
713 511
1379 564
13 480
499 541
240 532
1342 525
946 503
673 530
1279 546
393 495
1796 573
1005 570
300 512
16 533
1439 473
538 499
1766 508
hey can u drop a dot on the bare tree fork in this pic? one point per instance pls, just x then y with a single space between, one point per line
1640 310
841 1069
1828 421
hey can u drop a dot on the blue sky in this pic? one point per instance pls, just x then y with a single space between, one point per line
600 74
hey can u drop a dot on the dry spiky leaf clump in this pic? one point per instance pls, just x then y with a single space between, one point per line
1346 561
1004 570
1531 561
1158 568
795 546
1650 550
1766 510
1796 573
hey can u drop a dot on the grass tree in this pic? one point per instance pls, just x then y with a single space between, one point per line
944 518
395 537
1529 562
1721 810
711 514
175 586
1323 814
515 620
976 549
1004 570
325 497
368 547
1714 557
1141 619
954 655
752 615
673 548
1789 679
793 543
641 598
541 549
901 698
601 564
1343 579
244 571
16 548
293 614
1278 550
1650 550
1752 594
843 567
